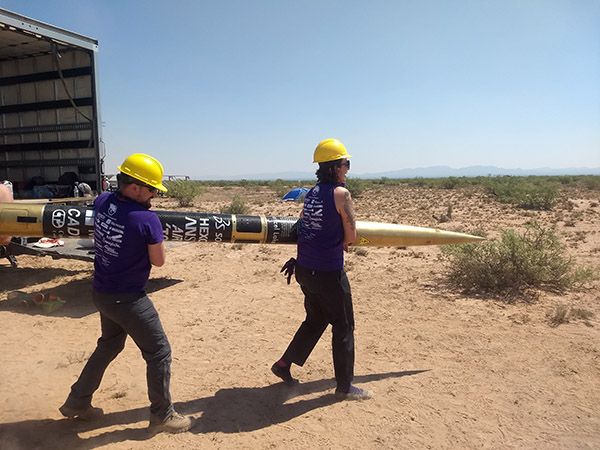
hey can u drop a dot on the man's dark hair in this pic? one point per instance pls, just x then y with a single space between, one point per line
124 180
326 171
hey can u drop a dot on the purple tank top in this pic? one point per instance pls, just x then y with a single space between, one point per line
122 231
321 237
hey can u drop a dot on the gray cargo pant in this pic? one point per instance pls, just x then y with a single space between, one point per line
133 315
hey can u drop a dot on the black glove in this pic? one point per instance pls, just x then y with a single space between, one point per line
288 268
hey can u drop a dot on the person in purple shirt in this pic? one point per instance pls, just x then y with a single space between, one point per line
128 241
328 226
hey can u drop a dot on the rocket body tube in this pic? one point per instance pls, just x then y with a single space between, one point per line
71 221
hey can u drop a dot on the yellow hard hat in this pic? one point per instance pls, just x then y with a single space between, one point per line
144 168
330 150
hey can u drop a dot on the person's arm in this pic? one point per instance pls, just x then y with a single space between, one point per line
157 254
343 204
5 197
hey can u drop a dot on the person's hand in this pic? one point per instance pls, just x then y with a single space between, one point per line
288 269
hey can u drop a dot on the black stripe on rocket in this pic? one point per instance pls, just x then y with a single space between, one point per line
60 221
207 227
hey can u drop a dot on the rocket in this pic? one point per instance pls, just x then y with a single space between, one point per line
74 221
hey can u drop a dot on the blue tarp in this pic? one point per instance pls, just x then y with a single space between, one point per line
295 195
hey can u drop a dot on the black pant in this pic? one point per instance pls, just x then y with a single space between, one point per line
327 300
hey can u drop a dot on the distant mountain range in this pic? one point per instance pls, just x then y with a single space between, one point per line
421 172
479 171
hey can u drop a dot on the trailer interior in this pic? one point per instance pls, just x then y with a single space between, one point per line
50 134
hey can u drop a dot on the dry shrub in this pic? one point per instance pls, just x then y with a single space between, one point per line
184 191
526 193
237 206
516 264
559 316
356 186
564 314
359 251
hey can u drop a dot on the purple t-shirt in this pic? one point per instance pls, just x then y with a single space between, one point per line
122 231
321 237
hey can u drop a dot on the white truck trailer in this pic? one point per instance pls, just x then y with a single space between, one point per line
50 126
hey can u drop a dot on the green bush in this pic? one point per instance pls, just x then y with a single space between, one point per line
450 183
591 182
525 193
184 191
237 206
516 264
280 187
356 186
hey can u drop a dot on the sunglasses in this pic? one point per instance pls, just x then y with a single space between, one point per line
347 164
152 189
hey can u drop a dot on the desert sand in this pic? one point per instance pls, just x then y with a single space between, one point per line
449 371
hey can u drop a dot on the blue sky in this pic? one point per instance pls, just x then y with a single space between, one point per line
225 88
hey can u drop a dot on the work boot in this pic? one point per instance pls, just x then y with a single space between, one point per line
284 374
175 423
354 394
87 413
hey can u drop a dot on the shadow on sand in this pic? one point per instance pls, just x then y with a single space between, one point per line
78 295
232 410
